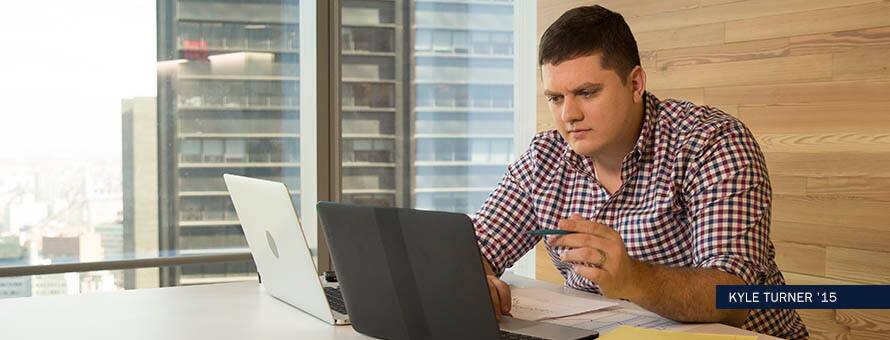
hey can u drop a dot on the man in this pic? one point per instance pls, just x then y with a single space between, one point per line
667 199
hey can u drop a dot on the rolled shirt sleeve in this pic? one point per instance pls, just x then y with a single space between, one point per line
729 206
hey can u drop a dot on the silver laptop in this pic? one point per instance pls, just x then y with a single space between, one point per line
280 250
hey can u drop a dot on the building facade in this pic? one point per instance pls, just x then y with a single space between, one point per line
426 111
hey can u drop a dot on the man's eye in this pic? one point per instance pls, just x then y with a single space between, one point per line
553 99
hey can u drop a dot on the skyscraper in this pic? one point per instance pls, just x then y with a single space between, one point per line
228 104
462 109
141 198
427 101
373 121
426 110
13 254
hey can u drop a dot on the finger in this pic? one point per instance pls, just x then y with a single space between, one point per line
503 294
591 273
586 227
583 256
549 239
580 240
495 299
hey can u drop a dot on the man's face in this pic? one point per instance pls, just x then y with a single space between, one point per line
592 108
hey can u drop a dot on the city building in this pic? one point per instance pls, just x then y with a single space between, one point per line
427 102
228 104
13 254
462 108
141 198
426 111
86 247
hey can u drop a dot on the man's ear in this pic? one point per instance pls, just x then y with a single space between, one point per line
637 81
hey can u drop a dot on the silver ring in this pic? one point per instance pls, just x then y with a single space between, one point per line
602 260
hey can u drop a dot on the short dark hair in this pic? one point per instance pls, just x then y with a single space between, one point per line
587 30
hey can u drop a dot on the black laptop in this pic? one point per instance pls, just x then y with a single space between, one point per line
412 274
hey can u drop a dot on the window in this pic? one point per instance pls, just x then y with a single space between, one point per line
459 120
132 164
236 151
208 87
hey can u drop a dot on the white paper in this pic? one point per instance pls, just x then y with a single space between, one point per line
537 304
606 320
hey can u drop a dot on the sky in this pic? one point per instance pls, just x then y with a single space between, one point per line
64 68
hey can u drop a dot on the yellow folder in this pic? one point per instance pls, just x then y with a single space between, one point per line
633 333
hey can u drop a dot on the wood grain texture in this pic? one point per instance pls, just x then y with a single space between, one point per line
809 22
701 35
857 265
832 211
871 63
788 185
795 69
696 95
811 79
801 258
729 12
873 187
830 235
870 323
544 269
817 93
819 118
828 163
812 44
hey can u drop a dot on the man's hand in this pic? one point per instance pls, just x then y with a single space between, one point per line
597 253
501 300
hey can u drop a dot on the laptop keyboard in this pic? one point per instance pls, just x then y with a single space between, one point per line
335 299
514 336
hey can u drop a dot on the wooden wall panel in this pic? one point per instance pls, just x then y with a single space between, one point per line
702 35
763 71
801 258
831 163
871 324
863 64
801 93
728 12
832 211
809 22
544 268
819 118
829 235
811 79
857 265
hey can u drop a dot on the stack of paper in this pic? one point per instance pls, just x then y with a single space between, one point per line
538 304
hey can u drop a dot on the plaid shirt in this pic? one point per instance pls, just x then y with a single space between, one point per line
695 193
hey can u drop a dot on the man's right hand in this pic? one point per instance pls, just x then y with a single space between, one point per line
500 296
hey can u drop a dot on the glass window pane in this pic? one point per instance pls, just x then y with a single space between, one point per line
450 139
424 41
441 41
147 138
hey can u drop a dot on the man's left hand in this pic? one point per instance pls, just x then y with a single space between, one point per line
597 253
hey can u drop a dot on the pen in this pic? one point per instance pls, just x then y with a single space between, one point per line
549 232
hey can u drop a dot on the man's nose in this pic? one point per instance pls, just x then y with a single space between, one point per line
571 112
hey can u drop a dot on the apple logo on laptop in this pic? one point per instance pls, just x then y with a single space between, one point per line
272 244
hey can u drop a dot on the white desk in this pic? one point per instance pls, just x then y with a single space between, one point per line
220 311
715 328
